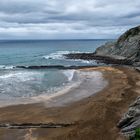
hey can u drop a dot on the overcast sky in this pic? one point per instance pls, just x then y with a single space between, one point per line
67 19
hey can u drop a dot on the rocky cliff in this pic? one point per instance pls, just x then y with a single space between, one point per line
130 122
128 46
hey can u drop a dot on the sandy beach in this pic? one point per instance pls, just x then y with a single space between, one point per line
91 118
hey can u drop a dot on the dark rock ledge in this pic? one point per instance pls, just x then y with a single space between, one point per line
32 125
61 67
99 58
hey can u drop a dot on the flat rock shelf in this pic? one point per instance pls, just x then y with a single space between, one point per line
33 125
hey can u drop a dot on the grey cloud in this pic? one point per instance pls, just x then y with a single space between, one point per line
19 6
63 18
132 15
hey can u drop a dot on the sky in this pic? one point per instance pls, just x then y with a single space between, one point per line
67 19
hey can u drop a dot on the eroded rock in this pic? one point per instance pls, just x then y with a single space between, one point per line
131 120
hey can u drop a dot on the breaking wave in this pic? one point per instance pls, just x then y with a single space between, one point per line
6 67
59 55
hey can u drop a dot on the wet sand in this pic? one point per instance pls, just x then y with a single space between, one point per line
92 118
86 83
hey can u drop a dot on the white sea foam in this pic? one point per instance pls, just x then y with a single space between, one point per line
2 66
6 67
22 76
60 56
19 84
86 61
86 84
69 74
57 55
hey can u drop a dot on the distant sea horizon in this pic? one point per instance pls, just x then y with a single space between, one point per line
56 39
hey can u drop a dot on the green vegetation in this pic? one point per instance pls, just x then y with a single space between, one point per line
137 135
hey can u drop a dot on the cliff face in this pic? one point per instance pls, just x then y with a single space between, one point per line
128 46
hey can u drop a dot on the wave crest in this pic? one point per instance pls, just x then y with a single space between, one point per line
58 55
7 67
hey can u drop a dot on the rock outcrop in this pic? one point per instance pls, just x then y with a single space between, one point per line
130 122
124 51
128 46
99 58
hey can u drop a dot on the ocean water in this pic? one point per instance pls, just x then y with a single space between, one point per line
20 83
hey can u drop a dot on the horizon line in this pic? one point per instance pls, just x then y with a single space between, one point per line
53 39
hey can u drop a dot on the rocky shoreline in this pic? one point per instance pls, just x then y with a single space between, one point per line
99 58
124 51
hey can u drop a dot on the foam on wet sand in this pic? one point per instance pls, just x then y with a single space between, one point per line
88 83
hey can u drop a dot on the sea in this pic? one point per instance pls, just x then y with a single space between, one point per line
18 83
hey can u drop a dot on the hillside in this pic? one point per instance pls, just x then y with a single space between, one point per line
128 46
